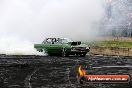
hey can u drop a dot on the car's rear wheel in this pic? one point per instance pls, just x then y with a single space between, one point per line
40 50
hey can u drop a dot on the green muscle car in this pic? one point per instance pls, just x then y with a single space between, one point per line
62 47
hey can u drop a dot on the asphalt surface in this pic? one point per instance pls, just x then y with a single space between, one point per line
59 72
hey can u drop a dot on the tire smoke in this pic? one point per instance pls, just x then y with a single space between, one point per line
34 20
15 46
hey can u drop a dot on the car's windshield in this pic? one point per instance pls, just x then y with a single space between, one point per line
64 40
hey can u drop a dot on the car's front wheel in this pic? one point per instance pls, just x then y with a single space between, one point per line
83 54
64 52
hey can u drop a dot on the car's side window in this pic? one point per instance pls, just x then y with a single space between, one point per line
56 42
53 40
49 41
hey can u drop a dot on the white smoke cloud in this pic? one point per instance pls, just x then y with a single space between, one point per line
33 20
15 46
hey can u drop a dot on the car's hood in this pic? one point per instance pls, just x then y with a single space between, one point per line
74 43
77 44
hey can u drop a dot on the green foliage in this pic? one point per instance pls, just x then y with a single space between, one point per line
111 43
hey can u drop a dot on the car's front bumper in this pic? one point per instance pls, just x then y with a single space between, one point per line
80 49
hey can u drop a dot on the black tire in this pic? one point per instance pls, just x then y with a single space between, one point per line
40 50
64 52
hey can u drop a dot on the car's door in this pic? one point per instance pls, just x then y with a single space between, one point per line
53 47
